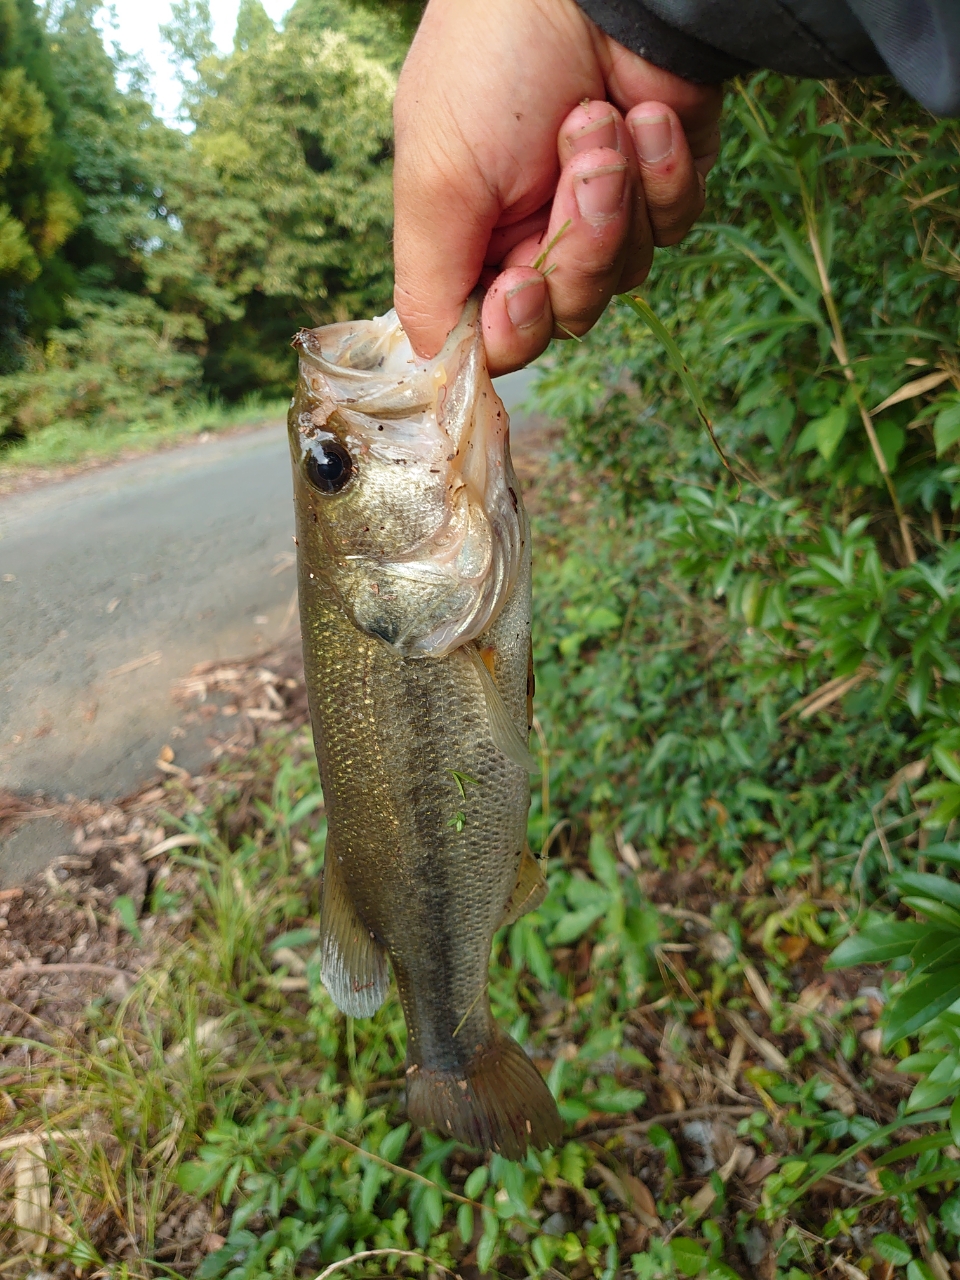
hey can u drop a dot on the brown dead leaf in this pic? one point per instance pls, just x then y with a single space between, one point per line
812 996
910 389
700 1203
760 1170
793 946
641 1200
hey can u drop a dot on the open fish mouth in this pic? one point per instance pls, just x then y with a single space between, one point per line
426 545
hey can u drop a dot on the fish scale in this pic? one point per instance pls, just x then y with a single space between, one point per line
420 750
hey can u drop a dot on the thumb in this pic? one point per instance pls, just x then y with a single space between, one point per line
444 213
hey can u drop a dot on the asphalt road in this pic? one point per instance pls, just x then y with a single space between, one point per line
114 583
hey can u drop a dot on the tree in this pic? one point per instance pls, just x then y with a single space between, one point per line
38 201
289 194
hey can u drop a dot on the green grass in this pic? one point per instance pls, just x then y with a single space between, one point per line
72 444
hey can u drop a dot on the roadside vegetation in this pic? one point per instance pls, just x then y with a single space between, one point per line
150 274
744 986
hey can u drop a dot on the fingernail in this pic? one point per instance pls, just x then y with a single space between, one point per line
598 133
599 192
525 302
653 137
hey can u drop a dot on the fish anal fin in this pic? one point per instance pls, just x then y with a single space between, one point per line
353 965
498 1102
529 891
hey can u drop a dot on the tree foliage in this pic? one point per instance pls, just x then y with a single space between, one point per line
273 212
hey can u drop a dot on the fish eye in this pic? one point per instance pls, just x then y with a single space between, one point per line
328 466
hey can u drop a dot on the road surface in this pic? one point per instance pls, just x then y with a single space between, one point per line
114 583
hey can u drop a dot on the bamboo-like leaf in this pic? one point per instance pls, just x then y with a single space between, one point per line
675 356
909 389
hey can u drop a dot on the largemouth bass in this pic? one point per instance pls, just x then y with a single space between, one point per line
414 580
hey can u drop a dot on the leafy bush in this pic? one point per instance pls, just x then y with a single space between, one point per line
122 364
763 661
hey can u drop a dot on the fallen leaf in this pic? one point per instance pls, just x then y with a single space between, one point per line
31 1198
793 946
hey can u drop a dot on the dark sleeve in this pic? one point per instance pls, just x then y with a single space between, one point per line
917 41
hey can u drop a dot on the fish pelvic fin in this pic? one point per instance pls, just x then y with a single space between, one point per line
505 734
499 1102
529 891
353 965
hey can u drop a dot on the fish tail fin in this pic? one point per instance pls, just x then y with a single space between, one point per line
500 1102
353 965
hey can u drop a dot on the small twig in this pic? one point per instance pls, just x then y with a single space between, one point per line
769 1052
79 966
676 1117
382 1253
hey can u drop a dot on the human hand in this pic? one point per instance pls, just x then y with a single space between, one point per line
518 124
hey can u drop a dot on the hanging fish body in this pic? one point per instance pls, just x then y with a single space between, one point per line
414 581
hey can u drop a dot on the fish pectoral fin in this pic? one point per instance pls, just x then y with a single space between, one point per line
353 965
506 736
529 891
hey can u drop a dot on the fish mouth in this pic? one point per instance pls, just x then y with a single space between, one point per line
449 586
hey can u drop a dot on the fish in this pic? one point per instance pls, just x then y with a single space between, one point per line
413 551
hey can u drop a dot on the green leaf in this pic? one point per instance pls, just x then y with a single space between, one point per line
950 1213
928 886
946 427
573 1164
476 1181
295 938
486 1249
891 439
919 1271
661 1139
465 1223
574 925
688 1257
892 1249
931 1142
616 1101
920 1004
946 762
876 944
955 1120
824 434
391 1147
127 915
938 911
198 1178
944 853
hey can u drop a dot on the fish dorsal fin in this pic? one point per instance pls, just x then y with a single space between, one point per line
353 965
529 891
506 736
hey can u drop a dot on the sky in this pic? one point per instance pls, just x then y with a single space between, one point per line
137 30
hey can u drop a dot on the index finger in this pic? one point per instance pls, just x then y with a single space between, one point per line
443 219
